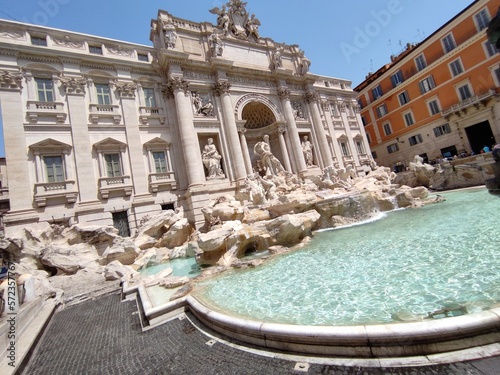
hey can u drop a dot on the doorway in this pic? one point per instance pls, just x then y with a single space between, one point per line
120 222
480 135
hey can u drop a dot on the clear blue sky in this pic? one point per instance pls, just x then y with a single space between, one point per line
345 39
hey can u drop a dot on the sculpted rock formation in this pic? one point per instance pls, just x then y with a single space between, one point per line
270 213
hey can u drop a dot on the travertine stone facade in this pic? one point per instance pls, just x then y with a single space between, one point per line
107 132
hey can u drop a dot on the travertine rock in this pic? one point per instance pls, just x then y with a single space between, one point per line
117 271
121 249
177 234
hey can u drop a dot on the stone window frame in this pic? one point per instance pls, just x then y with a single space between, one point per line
456 67
420 62
434 99
111 146
343 142
482 23
448 42
405 96
387 128
460 85
408 118
50 147
489 49
45 190
157 179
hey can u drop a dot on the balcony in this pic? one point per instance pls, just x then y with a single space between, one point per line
104 113
162 179
49 110
146 114
65 190
477 101
120 185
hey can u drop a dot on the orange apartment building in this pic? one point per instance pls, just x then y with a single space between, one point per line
439 98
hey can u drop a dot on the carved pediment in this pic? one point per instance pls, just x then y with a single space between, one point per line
50 144
110 144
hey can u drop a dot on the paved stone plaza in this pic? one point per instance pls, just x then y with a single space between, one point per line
104 336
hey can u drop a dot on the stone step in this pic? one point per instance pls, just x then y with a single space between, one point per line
27 339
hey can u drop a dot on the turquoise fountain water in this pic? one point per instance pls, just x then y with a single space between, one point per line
410 263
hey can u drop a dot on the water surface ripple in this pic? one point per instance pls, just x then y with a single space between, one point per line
407 265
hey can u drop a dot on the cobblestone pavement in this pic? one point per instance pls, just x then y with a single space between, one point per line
104 336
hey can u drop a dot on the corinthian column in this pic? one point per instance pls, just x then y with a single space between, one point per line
244 148
221 89
189 140
293 133
286 158
312 98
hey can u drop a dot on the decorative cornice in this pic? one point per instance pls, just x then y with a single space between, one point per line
284 93
11 80
68 43
119 51
221 87
12 34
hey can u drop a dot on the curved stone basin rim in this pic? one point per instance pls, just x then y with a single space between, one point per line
362 341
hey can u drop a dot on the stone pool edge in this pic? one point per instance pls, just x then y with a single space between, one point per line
362 341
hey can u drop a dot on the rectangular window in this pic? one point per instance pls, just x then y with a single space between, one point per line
39 41
442 130
387 129
142 57
149 97
404 98
482 19
103 93
54 168
344 148
381 110
433 107
420 62
96 50
448 43
408 116
363 120
113 166
426 84
160 162
368 138
464 92
45 89
392 148
397 78
360 148
456 67
496 75
374 154
415 140
489 49
377 92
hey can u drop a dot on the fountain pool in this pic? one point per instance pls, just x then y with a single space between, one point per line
441 259
374 290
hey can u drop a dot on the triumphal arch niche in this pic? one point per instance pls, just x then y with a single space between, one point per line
249 102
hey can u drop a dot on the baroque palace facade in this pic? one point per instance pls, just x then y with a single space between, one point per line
107 132
439 98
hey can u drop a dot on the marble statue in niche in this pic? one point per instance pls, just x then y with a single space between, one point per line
267 163
212 160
